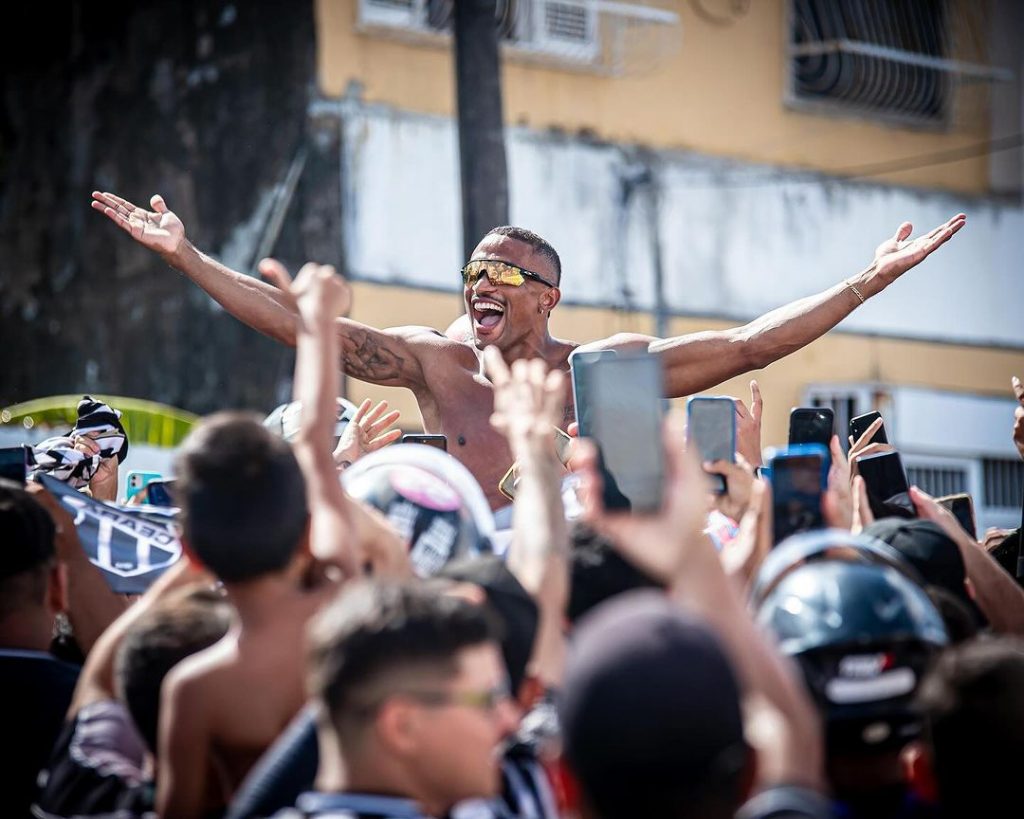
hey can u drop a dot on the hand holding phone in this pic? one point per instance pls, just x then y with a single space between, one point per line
886 484
860 424
962 507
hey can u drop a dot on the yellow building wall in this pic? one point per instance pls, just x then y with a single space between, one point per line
834 358
721 93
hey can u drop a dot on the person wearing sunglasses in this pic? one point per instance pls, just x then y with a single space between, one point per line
511 284
411 700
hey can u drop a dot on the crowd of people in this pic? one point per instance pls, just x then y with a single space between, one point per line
359 628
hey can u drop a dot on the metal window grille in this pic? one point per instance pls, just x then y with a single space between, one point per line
938 481
904 60
1002 482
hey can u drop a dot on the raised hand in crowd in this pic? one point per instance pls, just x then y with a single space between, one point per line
739 478
670 547
748 426
997 594
366 432
344 533
742 556
838 500
528 402
159 229
864 446
103 485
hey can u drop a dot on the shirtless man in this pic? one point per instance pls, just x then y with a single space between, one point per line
509 302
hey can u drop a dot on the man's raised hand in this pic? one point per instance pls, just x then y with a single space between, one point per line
896 255
158 229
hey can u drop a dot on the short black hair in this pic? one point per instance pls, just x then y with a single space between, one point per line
539 245
27 549
598 572
975 721
375 632
242 496
182 624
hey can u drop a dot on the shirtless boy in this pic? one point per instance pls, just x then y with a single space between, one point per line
509 302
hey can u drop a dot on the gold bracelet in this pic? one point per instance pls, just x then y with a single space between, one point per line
856 292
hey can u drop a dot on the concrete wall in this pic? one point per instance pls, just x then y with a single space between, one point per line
720 90
734 239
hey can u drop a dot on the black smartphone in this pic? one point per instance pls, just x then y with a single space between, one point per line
711 427
962 507
799 478
886 482
14 463
436 441
619 405
860 424
160 493
810 425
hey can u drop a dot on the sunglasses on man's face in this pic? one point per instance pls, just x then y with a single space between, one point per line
499 273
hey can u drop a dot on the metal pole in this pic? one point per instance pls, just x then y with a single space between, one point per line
482 164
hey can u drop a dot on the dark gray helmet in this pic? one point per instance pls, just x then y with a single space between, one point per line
861 628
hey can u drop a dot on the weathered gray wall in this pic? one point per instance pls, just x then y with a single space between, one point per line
204 101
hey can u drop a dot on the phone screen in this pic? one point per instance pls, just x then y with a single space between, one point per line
860 424
886 482
711 426
159 493
962 508
619 405
436 441
13 463
810 425
797 487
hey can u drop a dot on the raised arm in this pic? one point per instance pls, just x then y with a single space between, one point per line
378 356
527 404
699 361
342 533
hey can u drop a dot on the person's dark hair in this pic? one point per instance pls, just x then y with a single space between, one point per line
598 572
27 549
650 714
539 245
181 625
975 723
378 637
242 496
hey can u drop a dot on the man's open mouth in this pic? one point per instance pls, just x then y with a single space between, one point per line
487 314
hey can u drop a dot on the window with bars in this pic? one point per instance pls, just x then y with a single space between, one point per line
873 57
938 480
1002 482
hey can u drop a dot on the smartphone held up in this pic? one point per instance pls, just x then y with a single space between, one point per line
619 403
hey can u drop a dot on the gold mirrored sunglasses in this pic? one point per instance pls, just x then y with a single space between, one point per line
499 272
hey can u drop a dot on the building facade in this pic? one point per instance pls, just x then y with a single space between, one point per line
700 162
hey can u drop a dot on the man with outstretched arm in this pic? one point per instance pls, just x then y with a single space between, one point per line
510 287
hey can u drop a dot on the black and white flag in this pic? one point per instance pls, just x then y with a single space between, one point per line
132 545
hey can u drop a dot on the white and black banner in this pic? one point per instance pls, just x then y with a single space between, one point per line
132 545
